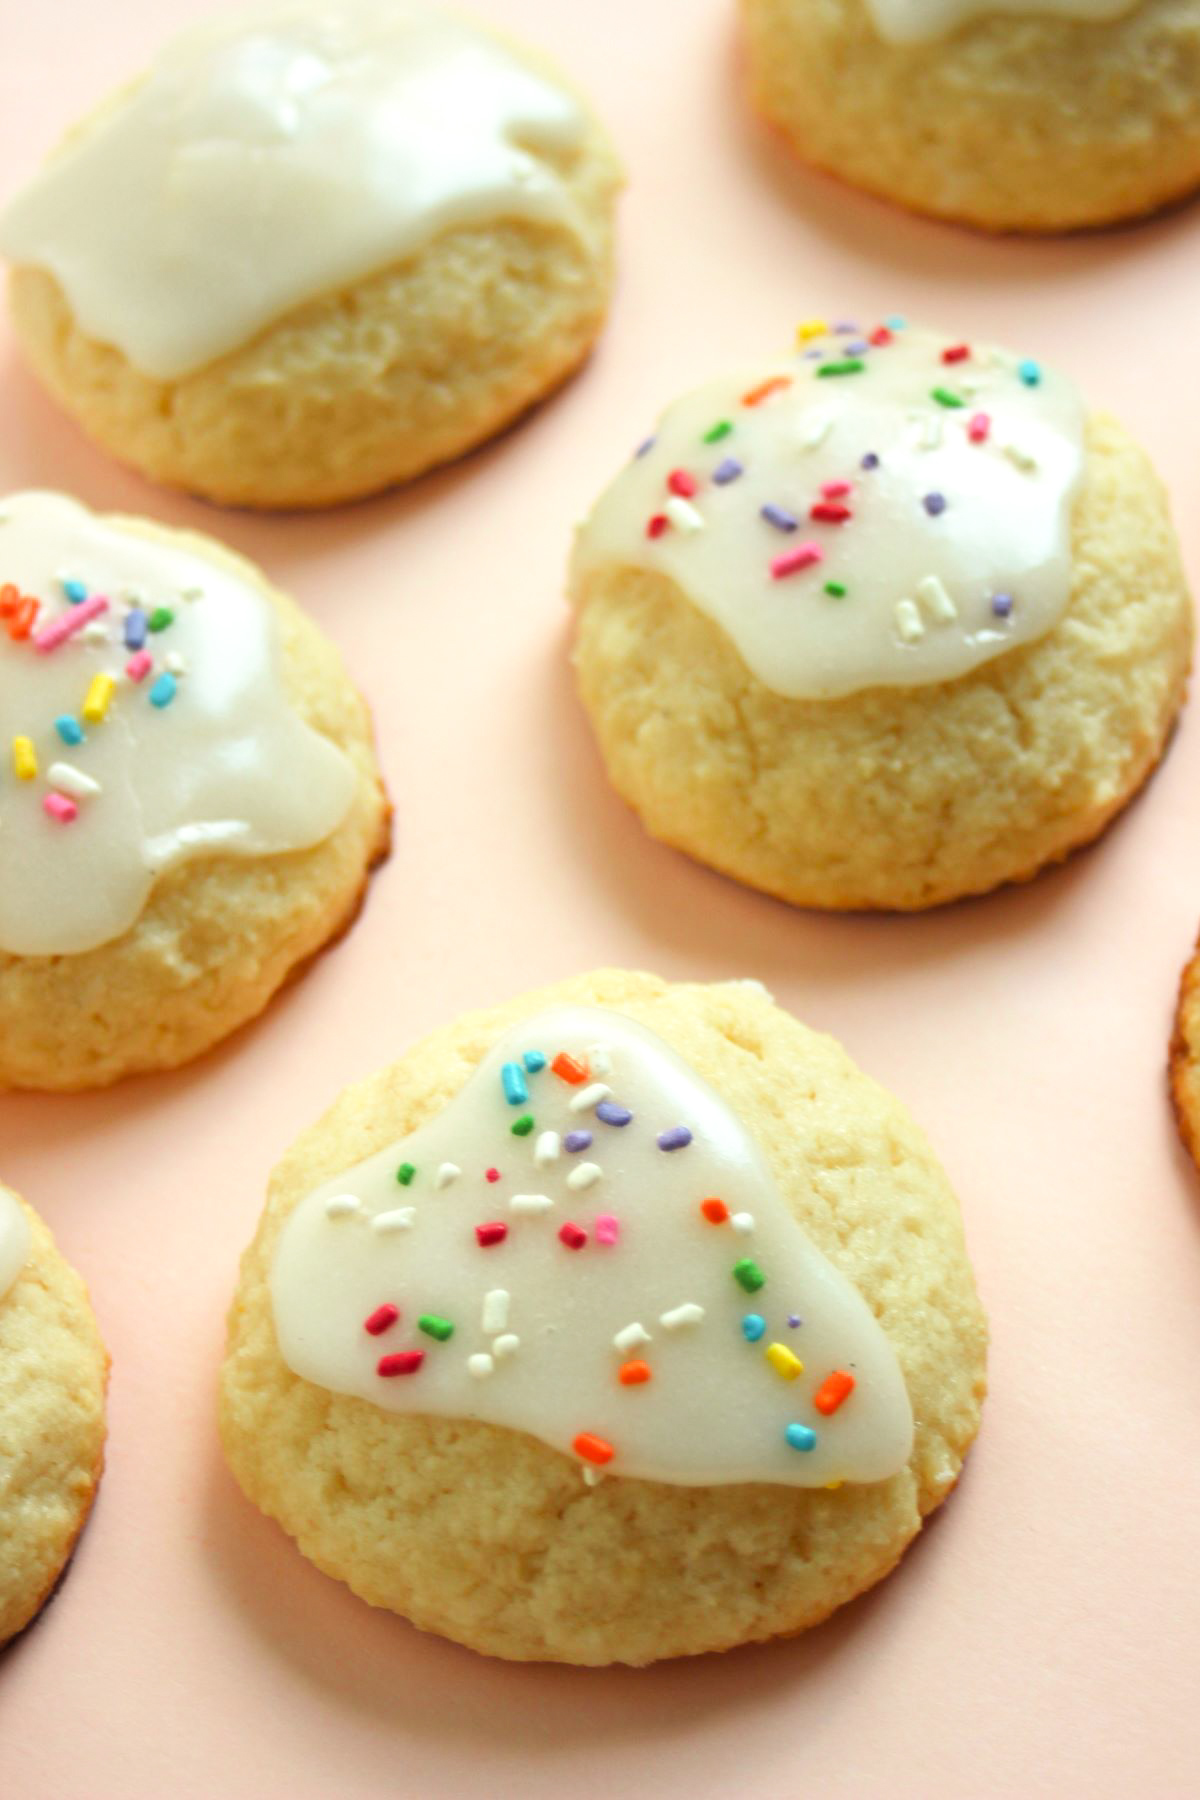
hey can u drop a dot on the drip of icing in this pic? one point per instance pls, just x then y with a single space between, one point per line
200 754
271 158
15 1239
587 1245
919 21
884 510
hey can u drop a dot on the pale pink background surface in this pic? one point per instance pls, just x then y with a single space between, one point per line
1043 1637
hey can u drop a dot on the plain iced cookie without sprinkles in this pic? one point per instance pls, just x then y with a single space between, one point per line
1011 115
624 1321
189 799
53 1371
316 250
885 622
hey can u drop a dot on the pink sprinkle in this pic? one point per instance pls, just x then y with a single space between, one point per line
68 623
383 1317
493 1233
681 483
836 490
61 808
493 1174
978 427
608 1229
801 557
573 1236
139 666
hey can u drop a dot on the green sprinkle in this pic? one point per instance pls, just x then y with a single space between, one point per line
523 1126
836 588
435 1327
160 618
946 397
849 365
748 1275
405 1173
716 432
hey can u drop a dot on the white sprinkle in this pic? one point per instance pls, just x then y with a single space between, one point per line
446 1174
340 1206
592 1476
688 1314
133 596
546 1150
480 1365
584 1175
599 1060
495 1310
192 593
400 1218
935 599
683 515
95 632
590 1096
909 623
1020 459
530 1203
929 430
815 430
630 1337
70 780
508 1345
742 1221
175 663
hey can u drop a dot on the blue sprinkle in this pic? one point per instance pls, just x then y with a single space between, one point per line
69 729
870 460
775 515
577 1140
1002 605
800 1437
726 471
895 323
1029 371
846 328
813 355
163 691
534 1061
753 1327
859 347
512 1079
934 504
677 1138
645 445
76 591
609 1113
135 629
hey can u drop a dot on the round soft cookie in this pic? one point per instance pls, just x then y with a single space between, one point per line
316 250
190 804
1009 115
883 623
628 1320
1183 1065
53 1372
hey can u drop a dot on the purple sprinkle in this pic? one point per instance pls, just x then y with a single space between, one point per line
577 1140
859 347
813 355
645 445
775 515
1002 605
846 328
870 461
794 1319
609 1113
729 470
135 629
934 504
678 1138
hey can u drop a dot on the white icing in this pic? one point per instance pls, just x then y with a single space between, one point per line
226 766
272 157
919 21
653 1281
921 586
16 1240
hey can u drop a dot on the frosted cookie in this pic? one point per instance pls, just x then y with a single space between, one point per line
1011 115
315 250
621 1322
53 1371
189 800
882 623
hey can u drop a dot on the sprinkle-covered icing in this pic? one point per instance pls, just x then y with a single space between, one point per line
588 1245
917 21
145 722
271 157
16 1239
888 508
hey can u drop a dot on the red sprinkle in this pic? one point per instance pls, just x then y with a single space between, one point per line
380 1320
830 512
404 1362
573 1236
568 1070
765 389
833 1391
715 1211
494 1232
802 557
881 335
593 1449
683 484
656 526
978 427
492 1174
956 353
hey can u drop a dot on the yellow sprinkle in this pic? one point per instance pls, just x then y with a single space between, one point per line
833 1486
101 689
784 1362
24 759
810 328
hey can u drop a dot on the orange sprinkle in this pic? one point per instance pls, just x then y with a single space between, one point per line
715 1211
592 1449
567 1069
632 1374
833 1391
21 622
9 596
765 389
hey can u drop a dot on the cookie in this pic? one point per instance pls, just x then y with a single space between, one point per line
53 1371
625 1321
191 805
1027 115
886 622
1184 1057
316 250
